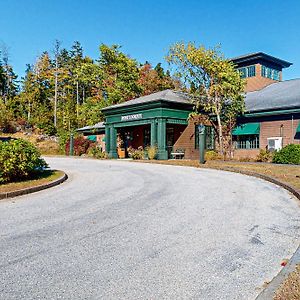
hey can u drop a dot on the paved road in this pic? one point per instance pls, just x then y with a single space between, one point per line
121 230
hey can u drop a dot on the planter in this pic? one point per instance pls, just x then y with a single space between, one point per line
121 152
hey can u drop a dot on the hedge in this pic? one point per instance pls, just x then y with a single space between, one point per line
19 160
290 154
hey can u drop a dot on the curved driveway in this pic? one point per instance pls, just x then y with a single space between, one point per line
121 230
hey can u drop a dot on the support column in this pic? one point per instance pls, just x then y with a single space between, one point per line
113 143
107 139
153 133
161 139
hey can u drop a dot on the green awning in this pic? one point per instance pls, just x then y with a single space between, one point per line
92 138
298 128
246 129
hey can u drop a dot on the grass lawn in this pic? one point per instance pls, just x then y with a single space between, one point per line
290 288
43 178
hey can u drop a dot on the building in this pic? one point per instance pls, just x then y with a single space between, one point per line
271 120
95 133
272 113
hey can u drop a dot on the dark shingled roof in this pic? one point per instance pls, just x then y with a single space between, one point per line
166 95
279 95
260 55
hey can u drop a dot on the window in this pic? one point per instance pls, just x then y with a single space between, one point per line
243 72
251 71
269 73
276 75
246 141
209 138
247 71
146 137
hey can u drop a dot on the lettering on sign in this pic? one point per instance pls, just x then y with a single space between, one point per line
131 117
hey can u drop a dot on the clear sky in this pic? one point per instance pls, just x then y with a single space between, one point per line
146 29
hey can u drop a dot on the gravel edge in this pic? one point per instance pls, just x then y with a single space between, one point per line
34 189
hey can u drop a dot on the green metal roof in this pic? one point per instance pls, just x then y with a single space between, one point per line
298 128
247 129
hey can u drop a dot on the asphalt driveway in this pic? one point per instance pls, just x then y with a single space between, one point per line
122 230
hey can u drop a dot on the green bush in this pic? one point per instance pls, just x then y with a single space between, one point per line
19 159
47 128
264 156
290 154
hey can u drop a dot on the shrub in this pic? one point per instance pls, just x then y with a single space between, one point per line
212 155
81 145
290 154
136 153
47 128
19 159
96 152
152 152
264 156
63 137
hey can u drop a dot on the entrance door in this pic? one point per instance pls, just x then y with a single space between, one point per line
170 140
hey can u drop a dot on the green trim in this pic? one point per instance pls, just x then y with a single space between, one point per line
274 112
298 128
147 105
247 129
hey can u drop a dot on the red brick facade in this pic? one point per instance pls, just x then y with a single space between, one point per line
186 141
258 82
285 128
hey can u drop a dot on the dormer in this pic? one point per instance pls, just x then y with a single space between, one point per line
260 69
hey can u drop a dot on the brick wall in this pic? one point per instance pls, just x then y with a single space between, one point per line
187 139
272 128
245 153
258 82
285 128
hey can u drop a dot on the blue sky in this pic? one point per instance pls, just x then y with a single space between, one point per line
146 29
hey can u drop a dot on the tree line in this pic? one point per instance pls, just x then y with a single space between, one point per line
64 89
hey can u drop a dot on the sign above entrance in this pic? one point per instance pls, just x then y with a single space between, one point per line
131 117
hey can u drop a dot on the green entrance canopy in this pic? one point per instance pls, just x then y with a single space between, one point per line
247 129
298 128
92 138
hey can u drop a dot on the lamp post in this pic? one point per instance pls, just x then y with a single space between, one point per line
201 131
71 152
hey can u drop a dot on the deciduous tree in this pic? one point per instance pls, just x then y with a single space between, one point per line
213 83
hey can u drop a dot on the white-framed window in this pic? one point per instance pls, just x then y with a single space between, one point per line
246 141
247 71
270 73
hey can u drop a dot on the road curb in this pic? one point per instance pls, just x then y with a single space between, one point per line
286 186
34 189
